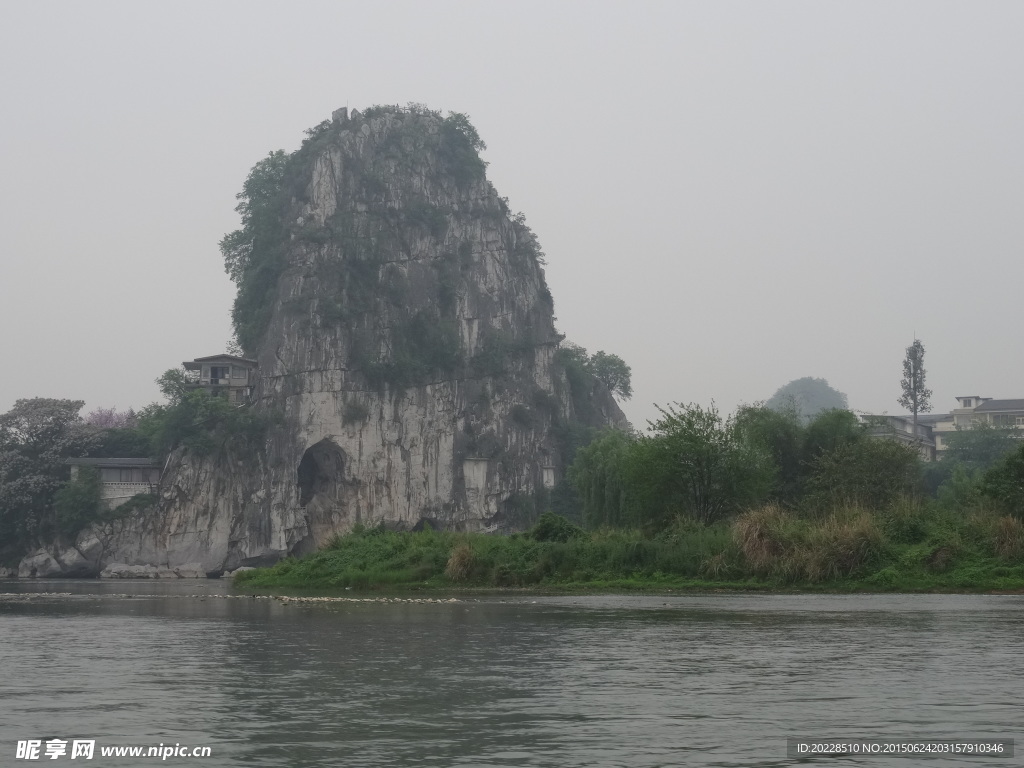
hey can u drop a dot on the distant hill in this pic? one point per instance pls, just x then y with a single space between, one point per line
808 397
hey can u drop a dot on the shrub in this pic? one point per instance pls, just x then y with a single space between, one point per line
869 472
906 521
521 416
1005 482
552 527
421 346
203 423
78 503
716 567
460 563
354 413
459 147
1008 538
135 503
764 537
841 546
695 463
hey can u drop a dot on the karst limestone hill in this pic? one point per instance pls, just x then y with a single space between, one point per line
406 345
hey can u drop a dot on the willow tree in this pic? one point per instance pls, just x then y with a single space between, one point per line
597 474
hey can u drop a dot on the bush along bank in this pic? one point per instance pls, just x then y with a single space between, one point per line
754 500
908 546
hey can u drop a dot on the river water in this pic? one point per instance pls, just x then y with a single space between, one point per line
696 680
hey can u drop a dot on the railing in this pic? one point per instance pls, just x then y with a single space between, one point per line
108 489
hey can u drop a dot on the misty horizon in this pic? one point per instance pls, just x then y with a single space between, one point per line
730 196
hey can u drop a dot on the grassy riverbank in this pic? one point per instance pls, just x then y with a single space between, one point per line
908 547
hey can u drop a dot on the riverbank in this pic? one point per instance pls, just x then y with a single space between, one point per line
908 548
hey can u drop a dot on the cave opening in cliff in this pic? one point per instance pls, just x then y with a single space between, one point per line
320 473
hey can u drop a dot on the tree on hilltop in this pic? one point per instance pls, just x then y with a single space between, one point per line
806 397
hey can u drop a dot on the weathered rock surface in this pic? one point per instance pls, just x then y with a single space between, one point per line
39 565
125 571
408 346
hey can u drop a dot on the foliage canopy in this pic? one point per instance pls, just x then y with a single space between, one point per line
36 436
255 255
611 370
807 397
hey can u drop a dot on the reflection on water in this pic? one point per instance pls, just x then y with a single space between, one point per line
716 680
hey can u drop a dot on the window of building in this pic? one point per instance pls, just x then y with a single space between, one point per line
237 372
126 474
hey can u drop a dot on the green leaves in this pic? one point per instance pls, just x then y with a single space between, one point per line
982 445
916 397
612 371
36 436
606 368
78 503
692 464
199 421
871 472
695 463
598 475
459 148
254 254
1005 482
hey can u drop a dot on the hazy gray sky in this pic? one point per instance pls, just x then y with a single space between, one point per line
731 195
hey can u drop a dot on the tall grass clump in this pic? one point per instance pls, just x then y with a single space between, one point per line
767 538
775 543
460 563
1008 539
841 546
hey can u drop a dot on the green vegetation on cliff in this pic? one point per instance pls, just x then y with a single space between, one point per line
194 419
255 255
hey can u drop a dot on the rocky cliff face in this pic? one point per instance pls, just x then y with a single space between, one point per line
405 338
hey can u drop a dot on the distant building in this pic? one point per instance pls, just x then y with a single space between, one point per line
901 429
120 479
225 375
933 429
978 410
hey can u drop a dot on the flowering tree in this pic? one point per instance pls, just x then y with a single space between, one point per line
35 437
111 418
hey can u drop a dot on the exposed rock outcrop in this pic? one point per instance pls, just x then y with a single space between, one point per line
406 341
39 565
